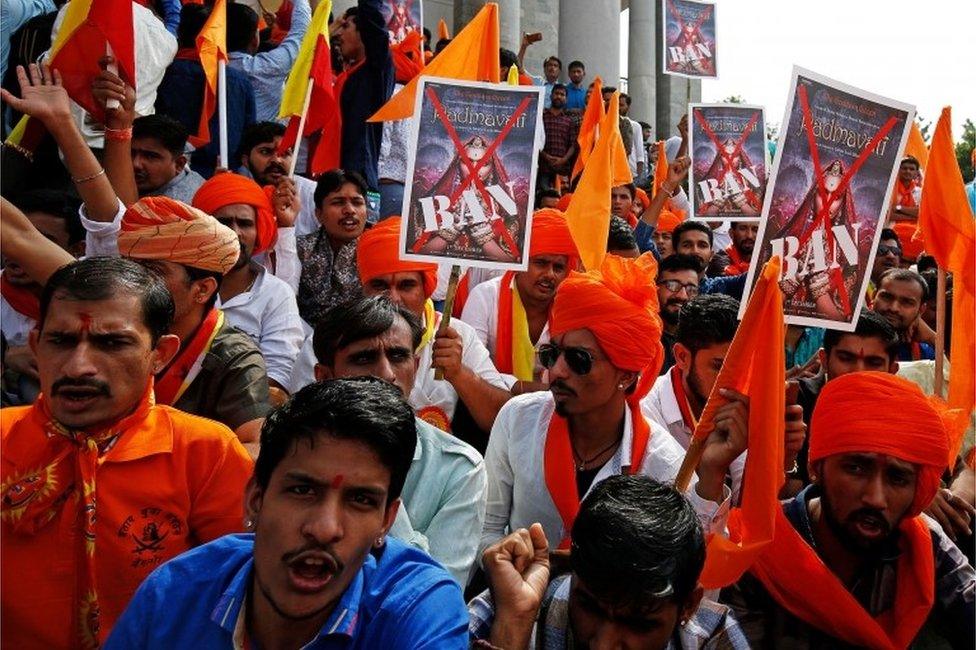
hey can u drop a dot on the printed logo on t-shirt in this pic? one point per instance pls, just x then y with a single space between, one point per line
150 530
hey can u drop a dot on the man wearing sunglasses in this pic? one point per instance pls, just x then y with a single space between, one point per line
548 449
887 257
677 283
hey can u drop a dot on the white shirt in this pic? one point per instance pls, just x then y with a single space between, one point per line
476 275
721 239
661 407
515 458
306 221
481 313
15 326
637 152
268 313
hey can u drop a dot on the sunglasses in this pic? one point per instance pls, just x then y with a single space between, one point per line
674 286
579 360
889 250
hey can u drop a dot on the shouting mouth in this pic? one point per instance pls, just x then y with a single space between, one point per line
311 571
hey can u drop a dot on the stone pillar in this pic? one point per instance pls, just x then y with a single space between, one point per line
589 31
642 62
509 16
541 16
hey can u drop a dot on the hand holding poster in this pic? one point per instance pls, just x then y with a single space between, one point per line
835 165
689 38
402 17
471 174
729 161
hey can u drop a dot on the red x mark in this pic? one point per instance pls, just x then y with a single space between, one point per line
728 157
496 224
695 29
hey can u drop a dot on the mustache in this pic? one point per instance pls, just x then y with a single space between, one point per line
67 382
274 167
870 513
561 385
318 549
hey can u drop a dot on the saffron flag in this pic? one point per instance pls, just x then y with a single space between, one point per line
590 124
588 214
946 222
89 28
442 31
212 48
471 56
660 166
916 146
754 366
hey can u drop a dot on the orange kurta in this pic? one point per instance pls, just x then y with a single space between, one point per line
171 481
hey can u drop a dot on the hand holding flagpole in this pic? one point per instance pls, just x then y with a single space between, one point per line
113 67
301 131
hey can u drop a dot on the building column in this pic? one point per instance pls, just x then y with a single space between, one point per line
509 18
541 16
589 31
642 62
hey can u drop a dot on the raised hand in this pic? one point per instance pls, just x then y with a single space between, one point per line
286 202
42 95
108 85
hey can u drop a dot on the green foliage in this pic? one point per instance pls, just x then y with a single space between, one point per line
964 150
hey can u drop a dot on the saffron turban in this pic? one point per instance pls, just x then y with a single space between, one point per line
642 198
551 236
911 248
618 304
161 228
876 412
667 221
231 189
377 253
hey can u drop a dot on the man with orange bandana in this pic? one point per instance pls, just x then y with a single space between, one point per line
852 562
548 449
511 314
101 484
667 221
253 300
908 192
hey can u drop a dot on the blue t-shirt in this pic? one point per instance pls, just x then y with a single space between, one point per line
400 598
575 97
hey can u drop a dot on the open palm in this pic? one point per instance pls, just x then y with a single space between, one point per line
42 95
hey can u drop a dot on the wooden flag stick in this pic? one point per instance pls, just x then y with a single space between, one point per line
452 286
113 67
301 130
688 466
940 330
222 112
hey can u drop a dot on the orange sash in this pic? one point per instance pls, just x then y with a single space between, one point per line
183 369
738 265
796 577
689 419
20 298
905 197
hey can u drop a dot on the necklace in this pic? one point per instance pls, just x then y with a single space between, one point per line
581 462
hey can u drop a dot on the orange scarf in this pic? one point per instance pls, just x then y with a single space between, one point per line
510 348
65 471
689 419
20 298
796 577
905 196
172 382
738 265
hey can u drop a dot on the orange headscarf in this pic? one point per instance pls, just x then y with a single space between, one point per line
644 199
161 228
551 236
229 189
667 221
377 253
911 247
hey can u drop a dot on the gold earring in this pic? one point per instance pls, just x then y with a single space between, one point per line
379 542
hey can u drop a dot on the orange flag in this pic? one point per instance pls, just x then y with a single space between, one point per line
472 55
621 167
755 366
946 221
212 46
442 31
660 167
588 214
590 124
916 146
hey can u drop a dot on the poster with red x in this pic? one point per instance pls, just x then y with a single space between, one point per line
836 162
402 17
729 161
471 168
688 46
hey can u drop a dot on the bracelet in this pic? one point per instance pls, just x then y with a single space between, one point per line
120 135
79 181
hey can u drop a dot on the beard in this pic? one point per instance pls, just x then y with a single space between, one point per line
844 530
668 316
695 384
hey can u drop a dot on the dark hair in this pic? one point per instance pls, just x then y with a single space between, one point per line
707 319
441 44
194 274
364 409
869 326
102 278
242 24
170 133
910 159
608 90
553 58
624 97
427 34
645 125
576 64
631 188
686 226
545 194
558 86
333 180
926 263
621 235
506 58
906 275
888 233
258 133
679 262
192 18
635 541
57 203
357 320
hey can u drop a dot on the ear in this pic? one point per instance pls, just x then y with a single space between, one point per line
893 368
32 338
690 606
323 372
166 348
682 357
392 508
627 378
822 355
180 162
253 498
204 289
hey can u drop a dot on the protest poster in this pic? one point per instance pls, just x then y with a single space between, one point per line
836 162
403 17
471 168
689 39
729 161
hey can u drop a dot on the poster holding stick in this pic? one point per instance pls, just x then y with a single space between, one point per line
836 163
402 17
729 161
688 46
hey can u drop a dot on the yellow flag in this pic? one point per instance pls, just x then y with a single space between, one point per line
296 87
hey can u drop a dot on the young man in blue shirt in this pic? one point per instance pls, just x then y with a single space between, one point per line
319 570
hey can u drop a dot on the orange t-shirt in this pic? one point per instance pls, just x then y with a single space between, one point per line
171 482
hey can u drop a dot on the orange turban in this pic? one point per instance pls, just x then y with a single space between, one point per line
161 228
911 248
645 200
618 304
563 203
229 189
377 253
667 221
851 416
551 236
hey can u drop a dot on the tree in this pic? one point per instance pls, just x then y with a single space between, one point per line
734 99
964 150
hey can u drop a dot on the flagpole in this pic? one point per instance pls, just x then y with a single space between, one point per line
113 67
301 130
222 112
452 286
940 329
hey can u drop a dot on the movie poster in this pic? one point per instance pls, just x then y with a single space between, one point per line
729 161
403 17
836 162
471 170
689 38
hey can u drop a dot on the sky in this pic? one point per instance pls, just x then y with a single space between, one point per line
920 52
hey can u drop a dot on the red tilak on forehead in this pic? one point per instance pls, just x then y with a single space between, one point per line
86 321
337 482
